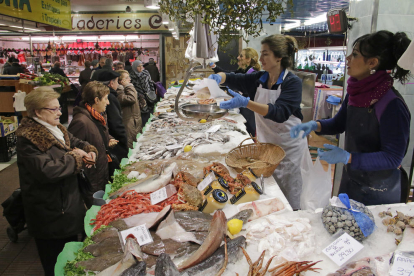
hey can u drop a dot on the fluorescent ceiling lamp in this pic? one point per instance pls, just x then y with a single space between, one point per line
318 19
292 25
67 38
16 27
40 38
174 32
111 37
151 4
130 37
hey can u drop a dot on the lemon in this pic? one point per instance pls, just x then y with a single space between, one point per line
188 148
202 121
234 226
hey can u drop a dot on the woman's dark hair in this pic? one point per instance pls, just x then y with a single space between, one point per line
388 48
283 46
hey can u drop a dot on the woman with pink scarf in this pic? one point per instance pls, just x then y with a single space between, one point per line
376 122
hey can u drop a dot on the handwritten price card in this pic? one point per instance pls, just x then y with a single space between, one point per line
403 265
342 249
140 232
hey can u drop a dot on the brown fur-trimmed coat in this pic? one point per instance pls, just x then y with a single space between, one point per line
48 169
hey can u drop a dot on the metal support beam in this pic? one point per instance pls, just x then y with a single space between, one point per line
374 17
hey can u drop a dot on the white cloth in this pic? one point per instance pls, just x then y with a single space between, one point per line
53 129
287 174
19 101
407 59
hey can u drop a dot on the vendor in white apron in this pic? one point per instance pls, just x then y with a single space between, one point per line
277 95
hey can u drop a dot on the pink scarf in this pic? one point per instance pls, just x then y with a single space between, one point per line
368 91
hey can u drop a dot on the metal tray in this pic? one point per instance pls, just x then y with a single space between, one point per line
203 111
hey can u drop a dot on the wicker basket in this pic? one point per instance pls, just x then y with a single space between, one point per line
262 158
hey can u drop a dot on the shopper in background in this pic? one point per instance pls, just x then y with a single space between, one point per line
277 95
102 61
14 69
114 114
119 66
57 70
109 63
128 66
95 66
8 63
143 84
90 124
131 112
152 68
49 159
85 75
376 122
248 62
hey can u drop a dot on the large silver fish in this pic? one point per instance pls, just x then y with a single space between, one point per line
214 238
149 184
210 266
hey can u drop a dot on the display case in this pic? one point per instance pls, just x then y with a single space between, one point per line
327 63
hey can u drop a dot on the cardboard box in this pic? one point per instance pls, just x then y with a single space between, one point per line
6 129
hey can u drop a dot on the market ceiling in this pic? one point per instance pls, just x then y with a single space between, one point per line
293 21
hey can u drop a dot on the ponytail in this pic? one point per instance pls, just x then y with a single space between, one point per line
388 48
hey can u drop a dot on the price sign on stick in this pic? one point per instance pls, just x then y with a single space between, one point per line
140 232
342 249
403 265
206 181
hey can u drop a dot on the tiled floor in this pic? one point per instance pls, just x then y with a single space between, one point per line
4 165
15 258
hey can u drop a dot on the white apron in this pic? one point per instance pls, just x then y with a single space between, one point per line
287 174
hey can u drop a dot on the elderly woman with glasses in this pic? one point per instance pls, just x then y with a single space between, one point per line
49 159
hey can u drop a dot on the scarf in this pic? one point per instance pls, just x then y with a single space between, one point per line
53 129
95 114
134 66
366 92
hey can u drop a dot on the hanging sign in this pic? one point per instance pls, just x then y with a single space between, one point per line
98 22
51 12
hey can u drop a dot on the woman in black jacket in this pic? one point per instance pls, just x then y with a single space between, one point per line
49 159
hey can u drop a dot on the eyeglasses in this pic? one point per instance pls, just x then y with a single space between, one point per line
55 110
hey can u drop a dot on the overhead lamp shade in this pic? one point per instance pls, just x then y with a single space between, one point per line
171 26
165 19
151 4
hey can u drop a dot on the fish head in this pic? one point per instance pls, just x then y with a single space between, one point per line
132 247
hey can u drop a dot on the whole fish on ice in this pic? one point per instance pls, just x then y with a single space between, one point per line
151 183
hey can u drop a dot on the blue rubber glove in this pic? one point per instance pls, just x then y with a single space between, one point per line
211 64
215 77
237 101
306 127
335 155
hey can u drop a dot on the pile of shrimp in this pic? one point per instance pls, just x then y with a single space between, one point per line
128 204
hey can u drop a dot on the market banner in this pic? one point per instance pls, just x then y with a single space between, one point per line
115 22
51 12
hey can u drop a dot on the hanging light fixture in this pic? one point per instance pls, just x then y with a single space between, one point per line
151 4
165 19
171 26
128 9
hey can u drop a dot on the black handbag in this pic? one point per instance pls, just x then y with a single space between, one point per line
85 186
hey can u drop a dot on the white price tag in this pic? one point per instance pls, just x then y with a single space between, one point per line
140 232
342 249
173 147
213 128
158 196
11 127
402 265
206 181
